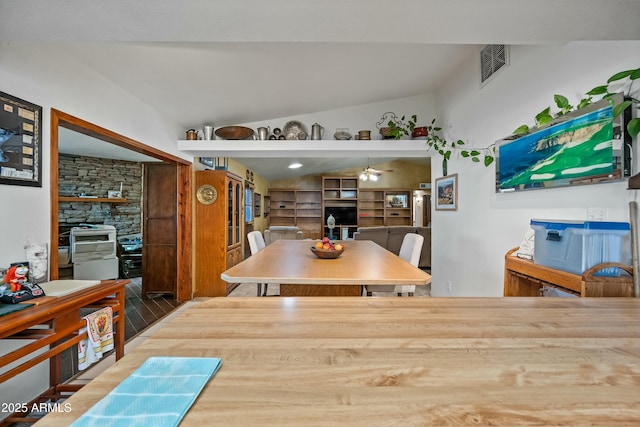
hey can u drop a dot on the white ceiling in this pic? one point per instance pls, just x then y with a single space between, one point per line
232 62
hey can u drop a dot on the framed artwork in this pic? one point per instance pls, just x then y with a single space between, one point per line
267 206
207 161
397 201
447 193
586 146
20 142
257 204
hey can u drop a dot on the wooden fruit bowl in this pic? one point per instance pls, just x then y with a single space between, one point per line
326 253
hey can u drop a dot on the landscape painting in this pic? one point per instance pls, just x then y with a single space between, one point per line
579 150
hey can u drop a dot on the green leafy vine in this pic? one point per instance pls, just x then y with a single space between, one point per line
622 81
434 140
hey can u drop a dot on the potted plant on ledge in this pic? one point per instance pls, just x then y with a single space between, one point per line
396 127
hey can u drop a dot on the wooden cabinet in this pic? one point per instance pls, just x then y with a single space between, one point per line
524 278
384 208
218 245
300 208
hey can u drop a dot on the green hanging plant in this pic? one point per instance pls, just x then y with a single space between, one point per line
443 147
398 127
622 81
401 127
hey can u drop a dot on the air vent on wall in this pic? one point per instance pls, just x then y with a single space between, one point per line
493 57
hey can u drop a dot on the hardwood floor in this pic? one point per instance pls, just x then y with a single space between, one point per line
141 312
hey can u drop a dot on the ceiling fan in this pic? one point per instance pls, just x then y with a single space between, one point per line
372 174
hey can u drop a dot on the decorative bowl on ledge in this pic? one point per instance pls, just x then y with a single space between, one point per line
326 253
234 132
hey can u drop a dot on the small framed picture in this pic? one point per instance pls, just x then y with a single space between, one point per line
207 161
115 194
447 193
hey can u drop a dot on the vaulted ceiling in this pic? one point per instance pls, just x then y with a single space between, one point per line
234 61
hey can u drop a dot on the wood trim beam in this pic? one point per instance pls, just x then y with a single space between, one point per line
184 279
87 128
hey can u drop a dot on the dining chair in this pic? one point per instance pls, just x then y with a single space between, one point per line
409 251
256 244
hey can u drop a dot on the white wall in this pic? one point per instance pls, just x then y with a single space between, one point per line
362 117
469 245
42 75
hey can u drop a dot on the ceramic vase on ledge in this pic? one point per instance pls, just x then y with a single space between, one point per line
420 132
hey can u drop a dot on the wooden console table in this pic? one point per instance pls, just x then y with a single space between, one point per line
54 323
524 278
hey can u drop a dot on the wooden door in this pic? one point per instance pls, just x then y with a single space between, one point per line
159 229
426 210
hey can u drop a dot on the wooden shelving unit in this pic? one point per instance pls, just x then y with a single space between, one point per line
300 208
91 199
282 204
339 192
307 209
371 208
377 208
397 209
309 213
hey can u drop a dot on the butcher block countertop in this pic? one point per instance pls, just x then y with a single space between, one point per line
357 361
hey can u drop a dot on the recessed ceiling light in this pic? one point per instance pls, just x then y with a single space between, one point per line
295 165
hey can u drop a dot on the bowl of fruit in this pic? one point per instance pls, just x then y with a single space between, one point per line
326 249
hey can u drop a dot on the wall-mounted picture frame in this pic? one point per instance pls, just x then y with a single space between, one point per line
207 161
397 201
267 206
586 146
257 204
20 142
447 193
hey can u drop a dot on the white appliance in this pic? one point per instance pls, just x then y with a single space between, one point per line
93 252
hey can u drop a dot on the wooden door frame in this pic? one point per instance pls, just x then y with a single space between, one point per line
184 287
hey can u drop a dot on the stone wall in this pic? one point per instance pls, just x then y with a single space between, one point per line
94 176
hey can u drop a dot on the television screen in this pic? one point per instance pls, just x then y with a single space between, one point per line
343 215
584 148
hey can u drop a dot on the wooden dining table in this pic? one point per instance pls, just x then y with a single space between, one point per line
400 361
292 265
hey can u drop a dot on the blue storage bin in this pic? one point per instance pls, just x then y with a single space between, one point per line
576 246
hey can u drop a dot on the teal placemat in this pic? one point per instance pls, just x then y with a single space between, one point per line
159 393
10 308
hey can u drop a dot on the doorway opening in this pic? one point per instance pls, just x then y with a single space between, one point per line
182 282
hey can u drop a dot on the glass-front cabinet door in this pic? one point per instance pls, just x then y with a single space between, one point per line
237 212
230 207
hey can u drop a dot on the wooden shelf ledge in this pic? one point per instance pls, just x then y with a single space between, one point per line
91 199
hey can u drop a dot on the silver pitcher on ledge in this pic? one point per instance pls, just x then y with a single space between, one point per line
263 133
316 131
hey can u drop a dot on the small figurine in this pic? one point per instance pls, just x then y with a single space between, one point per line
16 276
